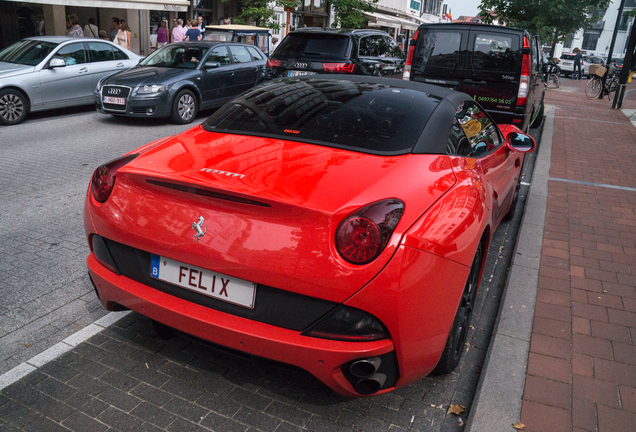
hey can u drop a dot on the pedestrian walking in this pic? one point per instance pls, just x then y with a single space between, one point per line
577 64
91 30
41 29
178 32
74 29
163 36
124 27
114 29
201 26
122 36
192 34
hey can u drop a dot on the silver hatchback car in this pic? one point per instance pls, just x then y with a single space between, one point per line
47 72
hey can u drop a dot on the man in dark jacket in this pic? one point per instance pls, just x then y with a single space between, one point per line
578 59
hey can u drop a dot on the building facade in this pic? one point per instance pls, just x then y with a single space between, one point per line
596 40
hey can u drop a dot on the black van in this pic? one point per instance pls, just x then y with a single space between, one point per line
500 67
311 51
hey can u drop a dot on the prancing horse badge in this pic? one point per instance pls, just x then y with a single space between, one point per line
196 226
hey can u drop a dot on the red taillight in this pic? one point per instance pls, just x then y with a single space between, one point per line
103 179
409 58
524 81
339 67
362 236
273 63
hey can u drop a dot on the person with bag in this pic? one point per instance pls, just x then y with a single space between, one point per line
121 38
91 30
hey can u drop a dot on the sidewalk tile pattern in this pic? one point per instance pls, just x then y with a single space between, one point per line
582 363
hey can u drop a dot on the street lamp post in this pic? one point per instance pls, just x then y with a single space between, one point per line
611 48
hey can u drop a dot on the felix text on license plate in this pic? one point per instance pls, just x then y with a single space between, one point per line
203 281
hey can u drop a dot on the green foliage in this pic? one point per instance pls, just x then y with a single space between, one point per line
349 13
552 20
259 12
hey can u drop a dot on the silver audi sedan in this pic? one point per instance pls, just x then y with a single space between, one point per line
47 72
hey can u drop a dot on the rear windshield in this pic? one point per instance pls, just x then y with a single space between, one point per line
367 117
297 45
567 57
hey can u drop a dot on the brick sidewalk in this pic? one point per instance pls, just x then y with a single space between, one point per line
581 373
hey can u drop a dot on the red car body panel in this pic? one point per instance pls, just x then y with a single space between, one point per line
304 190
287 245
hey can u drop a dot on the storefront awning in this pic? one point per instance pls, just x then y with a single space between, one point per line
163 5
381 19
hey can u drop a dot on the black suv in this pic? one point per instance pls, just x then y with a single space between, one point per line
318 51
500 67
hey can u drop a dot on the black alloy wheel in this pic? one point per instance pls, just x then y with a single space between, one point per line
455 344
13 107
184 107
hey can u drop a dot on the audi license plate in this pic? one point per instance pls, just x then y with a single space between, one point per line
203 281
114 100
292 73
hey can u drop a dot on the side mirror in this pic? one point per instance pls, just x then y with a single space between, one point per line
212 65
521 142
57 62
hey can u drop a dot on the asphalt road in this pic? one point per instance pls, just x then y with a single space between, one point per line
45 166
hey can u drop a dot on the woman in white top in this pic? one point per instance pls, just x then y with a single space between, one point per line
122 37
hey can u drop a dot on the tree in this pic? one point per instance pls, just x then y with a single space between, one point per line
349 13
260 12
552 20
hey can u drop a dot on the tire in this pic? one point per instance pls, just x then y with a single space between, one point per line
539 118
459 331
14 107
515 198
184 107
553 81
593 88
613 86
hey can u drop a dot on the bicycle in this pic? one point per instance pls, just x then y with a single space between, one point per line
551 78
597 88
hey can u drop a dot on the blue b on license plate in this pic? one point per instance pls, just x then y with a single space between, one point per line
203 281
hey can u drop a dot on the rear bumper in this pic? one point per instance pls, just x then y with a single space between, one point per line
322 358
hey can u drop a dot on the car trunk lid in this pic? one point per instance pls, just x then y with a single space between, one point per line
270 207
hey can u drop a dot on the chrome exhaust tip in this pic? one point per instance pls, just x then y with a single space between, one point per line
371 385
365 368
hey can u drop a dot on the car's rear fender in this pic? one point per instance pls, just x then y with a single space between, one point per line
453 226
416 297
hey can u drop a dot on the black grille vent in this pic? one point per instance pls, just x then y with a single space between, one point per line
115 91
207 193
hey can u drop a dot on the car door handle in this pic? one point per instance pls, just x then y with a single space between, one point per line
473 82
231 73
120 65
82 70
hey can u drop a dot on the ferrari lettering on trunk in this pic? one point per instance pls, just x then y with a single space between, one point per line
203 281
221 172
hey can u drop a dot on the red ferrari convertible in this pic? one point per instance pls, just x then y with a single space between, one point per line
336 224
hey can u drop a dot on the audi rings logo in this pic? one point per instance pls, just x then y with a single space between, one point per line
114 91
300 65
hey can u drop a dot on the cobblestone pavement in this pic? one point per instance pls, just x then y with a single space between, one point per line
128 379
581 368
45 167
